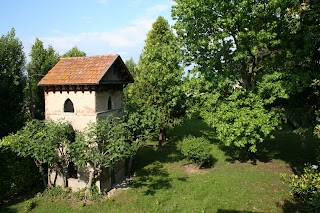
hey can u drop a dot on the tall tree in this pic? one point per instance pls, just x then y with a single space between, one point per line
12 83
301 62
132 67
42 60
243 48
74 52
159 78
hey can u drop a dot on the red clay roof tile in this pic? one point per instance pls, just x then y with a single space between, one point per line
79 70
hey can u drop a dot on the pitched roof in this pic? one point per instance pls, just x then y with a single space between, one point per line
79 70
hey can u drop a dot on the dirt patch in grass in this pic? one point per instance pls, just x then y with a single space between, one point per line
192 168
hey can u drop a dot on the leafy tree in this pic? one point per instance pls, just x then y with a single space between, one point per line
74 52
18 175
159 78
12 83
100 144
243 48
132 67
301 61
42 60
45 142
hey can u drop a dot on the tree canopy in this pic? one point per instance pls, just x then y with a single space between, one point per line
101 144
12 83
254 55
45 142
42 60
159 76
74 52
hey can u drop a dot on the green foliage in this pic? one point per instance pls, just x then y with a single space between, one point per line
143 123
57 192
42 60
316 87
12 83
74 52
230 38
259 59
196 149
101 143
159 77
29 205
305 188
43 141
18 175
132 67
242 121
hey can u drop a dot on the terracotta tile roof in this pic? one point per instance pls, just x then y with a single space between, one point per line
79 70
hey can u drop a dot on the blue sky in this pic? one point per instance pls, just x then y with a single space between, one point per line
95 26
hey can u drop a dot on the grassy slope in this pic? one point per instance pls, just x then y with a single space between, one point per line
161 183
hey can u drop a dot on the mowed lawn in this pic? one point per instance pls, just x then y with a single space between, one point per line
165 182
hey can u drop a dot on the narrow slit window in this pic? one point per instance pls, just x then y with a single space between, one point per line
68 106
109 103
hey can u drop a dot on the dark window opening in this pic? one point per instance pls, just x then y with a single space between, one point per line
68 106
109 103
72 170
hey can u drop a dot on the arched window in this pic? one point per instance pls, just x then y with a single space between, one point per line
68 106
109 103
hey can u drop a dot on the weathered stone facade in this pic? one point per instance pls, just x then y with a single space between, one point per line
88 106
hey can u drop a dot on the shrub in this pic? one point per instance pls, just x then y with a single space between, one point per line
57 192
305 189
18 175
29 205
196 149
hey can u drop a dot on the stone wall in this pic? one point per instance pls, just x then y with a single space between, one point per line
84 107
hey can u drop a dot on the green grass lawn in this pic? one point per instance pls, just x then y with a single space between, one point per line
165 182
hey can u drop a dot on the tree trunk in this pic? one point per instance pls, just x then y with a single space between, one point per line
49 176
90 180
64 177
162 136
43 176
129 166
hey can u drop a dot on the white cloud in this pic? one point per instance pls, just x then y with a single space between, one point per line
120 39
127 41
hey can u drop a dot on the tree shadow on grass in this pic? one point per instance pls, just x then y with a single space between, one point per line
149 154
285 146
290 207
154 177
5 204
149 167
7 210
195 127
